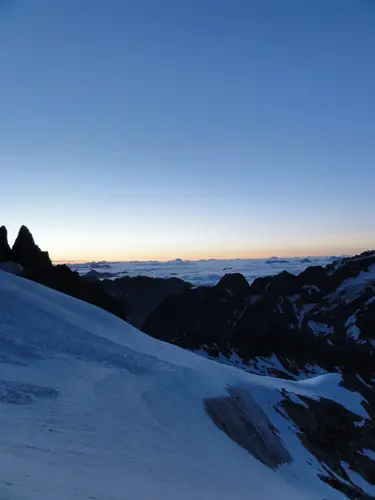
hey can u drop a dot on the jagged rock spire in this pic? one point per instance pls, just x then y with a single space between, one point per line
27 253
4 245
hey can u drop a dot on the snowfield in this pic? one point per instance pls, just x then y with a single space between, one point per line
91 408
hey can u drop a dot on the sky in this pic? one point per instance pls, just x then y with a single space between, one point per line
162 129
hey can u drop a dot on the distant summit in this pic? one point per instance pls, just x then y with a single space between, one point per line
277 261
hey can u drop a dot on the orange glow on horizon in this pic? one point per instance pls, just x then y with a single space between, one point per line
201 255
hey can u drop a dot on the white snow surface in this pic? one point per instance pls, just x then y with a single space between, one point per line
370 454
351 288
128 421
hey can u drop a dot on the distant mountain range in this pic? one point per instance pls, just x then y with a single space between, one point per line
204 271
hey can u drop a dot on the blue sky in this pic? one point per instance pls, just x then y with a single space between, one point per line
156 129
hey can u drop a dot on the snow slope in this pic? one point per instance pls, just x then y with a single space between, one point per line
92 408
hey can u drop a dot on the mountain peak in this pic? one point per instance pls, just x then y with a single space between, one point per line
235 282
4 245
27 253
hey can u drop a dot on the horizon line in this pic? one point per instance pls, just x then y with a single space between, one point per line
132 261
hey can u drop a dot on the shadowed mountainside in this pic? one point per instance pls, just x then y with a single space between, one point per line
322 317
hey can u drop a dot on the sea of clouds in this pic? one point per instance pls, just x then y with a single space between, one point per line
203 272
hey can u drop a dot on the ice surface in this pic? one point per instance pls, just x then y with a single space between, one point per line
109 413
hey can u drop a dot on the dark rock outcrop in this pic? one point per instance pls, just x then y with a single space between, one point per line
200 316
339 439
322 317
37 266
234 283
5 251
96 275
277 261
63 279
27 253
129 298
245 422
142 294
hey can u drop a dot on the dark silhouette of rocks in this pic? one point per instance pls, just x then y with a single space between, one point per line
27 253
335 436
202 315
96 275
304 320
235 283
92 275
142 294
63 279
37 266
129 298
99 265
277 261
5 251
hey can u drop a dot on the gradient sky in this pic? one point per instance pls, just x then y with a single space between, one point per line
156 129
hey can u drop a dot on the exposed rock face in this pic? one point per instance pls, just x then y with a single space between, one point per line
129 298
142 294
63 279
4 245
322 318
37 266
27 253
244 421
338 438
201 316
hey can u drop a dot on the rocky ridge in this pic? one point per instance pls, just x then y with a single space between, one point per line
315 320
27 259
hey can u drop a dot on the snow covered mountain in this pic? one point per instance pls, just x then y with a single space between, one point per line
92 408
